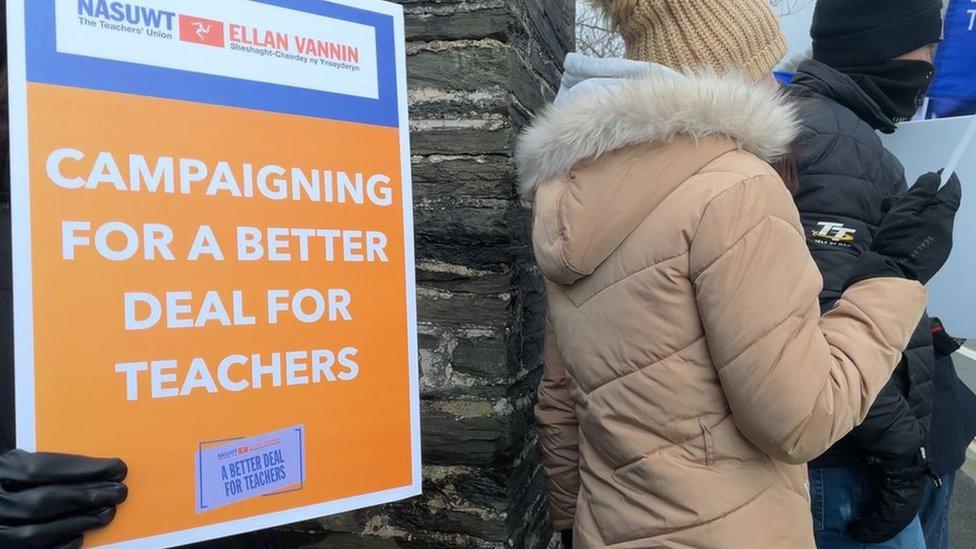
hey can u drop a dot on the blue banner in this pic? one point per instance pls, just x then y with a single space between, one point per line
956 60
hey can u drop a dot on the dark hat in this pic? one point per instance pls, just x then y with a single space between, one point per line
866 32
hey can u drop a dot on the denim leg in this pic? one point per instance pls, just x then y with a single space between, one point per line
817 498
934 513
845 495
911 537
834 494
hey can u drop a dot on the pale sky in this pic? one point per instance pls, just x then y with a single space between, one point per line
797 30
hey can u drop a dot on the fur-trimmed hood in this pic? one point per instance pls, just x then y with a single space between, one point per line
655 106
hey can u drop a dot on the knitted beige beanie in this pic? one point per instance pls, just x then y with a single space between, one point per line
722 35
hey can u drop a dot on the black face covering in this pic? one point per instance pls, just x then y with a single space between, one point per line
898 86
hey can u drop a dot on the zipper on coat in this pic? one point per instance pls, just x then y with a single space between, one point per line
707 438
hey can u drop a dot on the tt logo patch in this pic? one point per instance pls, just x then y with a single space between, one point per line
834 232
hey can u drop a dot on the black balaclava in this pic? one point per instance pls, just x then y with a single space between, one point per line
862 38
898 86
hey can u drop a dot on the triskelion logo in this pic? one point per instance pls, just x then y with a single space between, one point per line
122 17
202 31
834 233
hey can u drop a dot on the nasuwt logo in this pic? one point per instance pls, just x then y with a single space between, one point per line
159 23
232 452
249 448
120 12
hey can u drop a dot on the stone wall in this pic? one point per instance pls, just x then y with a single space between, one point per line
477 69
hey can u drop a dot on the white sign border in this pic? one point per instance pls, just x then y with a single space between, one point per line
20 226
23 290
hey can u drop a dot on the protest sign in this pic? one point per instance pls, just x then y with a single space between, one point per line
213 255
953 93
927 146
956 56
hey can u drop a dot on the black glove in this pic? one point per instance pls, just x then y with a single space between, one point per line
567 537
899 487
51 500
915 237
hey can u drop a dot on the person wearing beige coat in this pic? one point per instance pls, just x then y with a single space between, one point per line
689 375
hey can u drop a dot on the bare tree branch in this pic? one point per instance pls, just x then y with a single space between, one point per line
789 7
594 37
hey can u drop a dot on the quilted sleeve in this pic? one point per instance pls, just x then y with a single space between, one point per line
796 382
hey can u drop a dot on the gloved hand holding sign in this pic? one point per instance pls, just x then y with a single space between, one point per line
915 237
51 500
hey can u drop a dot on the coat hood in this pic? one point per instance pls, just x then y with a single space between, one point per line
609 105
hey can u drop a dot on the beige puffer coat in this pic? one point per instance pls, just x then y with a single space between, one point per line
689 375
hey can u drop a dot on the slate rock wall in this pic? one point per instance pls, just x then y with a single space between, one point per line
477 70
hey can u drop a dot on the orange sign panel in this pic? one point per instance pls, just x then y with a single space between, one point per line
213 257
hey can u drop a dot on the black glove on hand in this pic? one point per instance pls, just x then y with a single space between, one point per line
51 500
915 237
899 486
567 537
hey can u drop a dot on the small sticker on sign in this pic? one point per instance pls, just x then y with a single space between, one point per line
246 468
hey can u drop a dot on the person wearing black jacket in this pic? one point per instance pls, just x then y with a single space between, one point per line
872 65
953 429
47 500
52 500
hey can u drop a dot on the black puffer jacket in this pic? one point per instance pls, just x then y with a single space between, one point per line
845 177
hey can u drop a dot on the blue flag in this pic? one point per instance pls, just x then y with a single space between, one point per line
956 60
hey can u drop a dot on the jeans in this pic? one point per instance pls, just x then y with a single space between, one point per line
934 513
838 497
